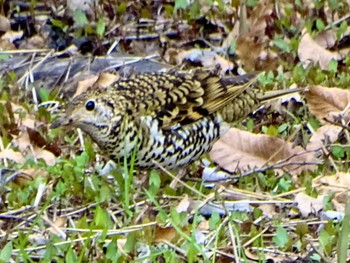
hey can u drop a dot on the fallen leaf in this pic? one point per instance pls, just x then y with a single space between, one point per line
27 175
47 156
85 84
6 45
310 51
253 43
243 151
12 155
57 224
34 42
207 58
106 79
34 148
23 141
336 184
165 234
184 204
269 210
5 24
308 205
323 136
203 225
324 102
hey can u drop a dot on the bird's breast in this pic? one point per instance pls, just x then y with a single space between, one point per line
171 148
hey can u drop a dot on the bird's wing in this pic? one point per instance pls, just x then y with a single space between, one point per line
180 98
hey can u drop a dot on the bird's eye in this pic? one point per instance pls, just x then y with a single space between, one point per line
90 105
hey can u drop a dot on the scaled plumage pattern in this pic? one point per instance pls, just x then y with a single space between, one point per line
170 119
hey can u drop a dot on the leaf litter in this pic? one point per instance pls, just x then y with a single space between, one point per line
279 171
241 151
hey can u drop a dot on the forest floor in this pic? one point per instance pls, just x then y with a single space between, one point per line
273 189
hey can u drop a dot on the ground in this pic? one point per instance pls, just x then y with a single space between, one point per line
275 188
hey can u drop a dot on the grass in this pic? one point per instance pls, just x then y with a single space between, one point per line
69 212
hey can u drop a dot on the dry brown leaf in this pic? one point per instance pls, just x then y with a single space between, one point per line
269 210
16 113
310 51
323 136
326 39
253 44
59 223
106 79
6 45
339 180
27 175
184 204
165 234
336 184
12 155
241 150
31 148
308 205
269 255
259 17
203 225
208 58
5 24
329 103
35 42
22 179
47 156
23 141
83 85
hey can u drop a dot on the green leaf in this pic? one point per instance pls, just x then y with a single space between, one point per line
80 18
281 237
252 3
71 256
284 184
154 181
102 219
180 4
250 125
320 25
4 57
338 152
195 10
325 241
105 194
44 94
175 216
6 252
283 127
112 251
342 29
214 221
130 241
121 8
82 159
272 131
333 66
281 44
100 27
316 257
57 23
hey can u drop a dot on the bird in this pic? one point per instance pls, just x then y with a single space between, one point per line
163 119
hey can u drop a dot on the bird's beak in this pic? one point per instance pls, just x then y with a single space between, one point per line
62 121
